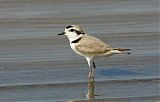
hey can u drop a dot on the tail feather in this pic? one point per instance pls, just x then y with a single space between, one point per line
122 50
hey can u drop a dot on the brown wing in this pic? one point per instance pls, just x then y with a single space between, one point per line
91 45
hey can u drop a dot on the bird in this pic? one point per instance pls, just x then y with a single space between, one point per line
89 46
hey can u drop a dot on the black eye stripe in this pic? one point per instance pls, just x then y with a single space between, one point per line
71 30
69 26
79 32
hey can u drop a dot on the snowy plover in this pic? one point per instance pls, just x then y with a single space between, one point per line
89 47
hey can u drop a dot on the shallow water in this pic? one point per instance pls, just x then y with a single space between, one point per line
36 65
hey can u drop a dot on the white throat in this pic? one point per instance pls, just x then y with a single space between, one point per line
73 38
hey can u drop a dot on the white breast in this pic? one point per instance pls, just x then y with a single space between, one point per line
73 46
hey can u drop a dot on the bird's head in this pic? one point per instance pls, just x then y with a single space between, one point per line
73 32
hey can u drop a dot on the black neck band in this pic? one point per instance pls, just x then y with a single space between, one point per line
77 40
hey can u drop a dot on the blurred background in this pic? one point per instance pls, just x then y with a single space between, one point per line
36 65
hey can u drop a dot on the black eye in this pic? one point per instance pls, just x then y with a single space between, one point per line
71 30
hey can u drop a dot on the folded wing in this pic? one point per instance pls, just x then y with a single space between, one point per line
92 45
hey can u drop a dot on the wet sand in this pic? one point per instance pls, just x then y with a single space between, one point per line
36 65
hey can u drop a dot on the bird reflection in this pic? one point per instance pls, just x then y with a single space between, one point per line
91 90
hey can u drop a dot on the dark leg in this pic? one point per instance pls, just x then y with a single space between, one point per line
94 65
93 69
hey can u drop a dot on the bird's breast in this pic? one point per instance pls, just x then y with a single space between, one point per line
73 46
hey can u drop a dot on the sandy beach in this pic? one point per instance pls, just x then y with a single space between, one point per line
37 65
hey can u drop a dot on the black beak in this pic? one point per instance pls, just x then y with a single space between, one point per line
62 33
